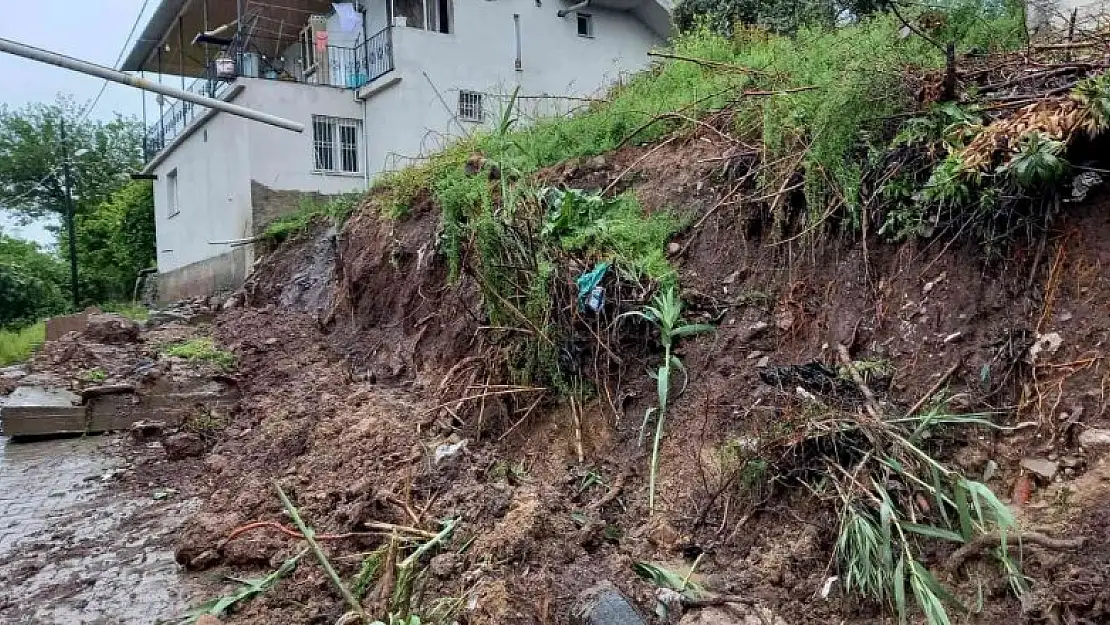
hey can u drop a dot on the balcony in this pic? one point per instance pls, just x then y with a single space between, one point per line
331 66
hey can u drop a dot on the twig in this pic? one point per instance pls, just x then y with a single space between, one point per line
956 560
577 431
613 492
382 528
404 506
642 158
309 535
480 396
870 402
708 63
448 527
934 388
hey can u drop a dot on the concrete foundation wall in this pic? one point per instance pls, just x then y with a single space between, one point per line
220 274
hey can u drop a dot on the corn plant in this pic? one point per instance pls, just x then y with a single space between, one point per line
665 313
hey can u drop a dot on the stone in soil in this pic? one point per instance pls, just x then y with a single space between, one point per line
183 445
1094 438
1044 469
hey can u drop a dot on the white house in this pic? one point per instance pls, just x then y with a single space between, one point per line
377 83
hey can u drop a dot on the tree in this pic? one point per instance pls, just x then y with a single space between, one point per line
115 241
31 282
781 16
103 153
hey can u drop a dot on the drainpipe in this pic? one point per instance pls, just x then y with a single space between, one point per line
571 9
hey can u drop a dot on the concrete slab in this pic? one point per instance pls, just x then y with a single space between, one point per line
36 410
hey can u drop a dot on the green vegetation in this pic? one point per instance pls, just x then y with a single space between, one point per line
201 350
337 209
18 345
665 314
31 283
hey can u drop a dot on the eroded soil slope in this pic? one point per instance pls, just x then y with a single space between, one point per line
356 354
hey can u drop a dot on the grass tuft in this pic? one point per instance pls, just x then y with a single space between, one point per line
17 345
201 350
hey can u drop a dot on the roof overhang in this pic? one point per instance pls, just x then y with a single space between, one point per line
175 23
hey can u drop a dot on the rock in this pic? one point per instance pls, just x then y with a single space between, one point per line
734 614
1094 438
162 317
271 341
235 301
971 458
673 248
216 463
596 163
14 372
109 329
763 362
445 565
604 604
784 320
144 430
206 559
1046 345
662 534
756 330
183 445
1044 469
207 619
447 452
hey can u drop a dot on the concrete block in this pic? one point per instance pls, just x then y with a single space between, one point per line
35 411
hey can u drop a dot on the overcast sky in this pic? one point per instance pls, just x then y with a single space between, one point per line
93 30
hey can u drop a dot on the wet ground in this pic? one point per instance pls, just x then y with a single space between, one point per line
78 547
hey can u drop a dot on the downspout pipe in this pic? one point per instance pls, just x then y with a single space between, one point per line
571 9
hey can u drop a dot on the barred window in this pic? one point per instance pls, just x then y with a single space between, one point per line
335 143
470 106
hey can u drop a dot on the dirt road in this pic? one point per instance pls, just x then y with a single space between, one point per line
77 547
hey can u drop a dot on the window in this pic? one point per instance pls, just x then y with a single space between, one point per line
173 204
470 106
335 142
433 15
585 25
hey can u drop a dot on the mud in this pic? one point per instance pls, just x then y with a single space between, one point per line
78 546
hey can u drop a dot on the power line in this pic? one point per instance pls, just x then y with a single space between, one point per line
119 57
96 100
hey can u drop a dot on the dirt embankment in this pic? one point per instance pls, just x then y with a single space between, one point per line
354 344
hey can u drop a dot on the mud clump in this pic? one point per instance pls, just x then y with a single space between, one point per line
111 329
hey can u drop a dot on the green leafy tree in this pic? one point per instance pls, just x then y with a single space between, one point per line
103 154
31 282
115 240
781 16
114 216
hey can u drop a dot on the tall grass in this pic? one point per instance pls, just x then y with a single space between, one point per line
17 345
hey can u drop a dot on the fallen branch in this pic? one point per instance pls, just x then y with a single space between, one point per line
613 492
934 388
381 528
990 539
308 534
870 402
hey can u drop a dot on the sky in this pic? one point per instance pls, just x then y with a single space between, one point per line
92 30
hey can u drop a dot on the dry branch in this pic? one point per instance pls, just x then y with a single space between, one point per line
990 539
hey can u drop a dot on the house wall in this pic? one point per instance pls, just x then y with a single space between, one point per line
217 166
409 119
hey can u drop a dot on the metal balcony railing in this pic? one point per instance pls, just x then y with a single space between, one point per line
176 117
334 66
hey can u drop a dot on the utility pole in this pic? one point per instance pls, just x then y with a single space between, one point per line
69 220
